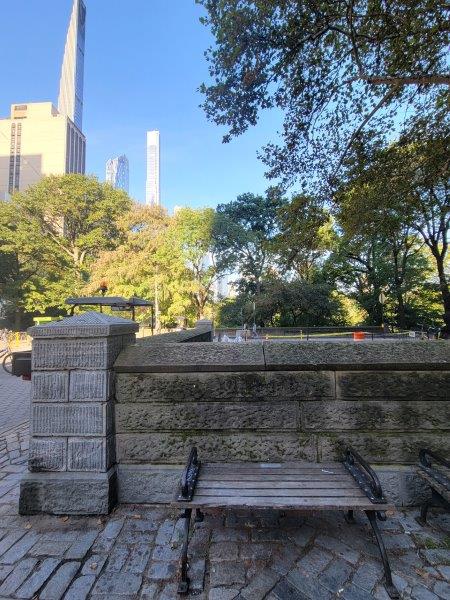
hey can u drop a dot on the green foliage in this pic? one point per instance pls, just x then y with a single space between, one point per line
331 67
50 234
243 232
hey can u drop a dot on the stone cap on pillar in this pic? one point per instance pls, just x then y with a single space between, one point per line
89 324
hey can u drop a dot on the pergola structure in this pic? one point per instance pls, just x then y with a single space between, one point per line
114 302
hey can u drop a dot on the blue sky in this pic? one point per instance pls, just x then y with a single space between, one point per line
144 63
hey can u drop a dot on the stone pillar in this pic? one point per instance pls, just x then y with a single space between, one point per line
72 464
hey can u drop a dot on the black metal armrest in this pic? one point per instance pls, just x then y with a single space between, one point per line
189 477
364 475
425 455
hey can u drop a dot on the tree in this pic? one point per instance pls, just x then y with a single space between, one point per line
306 235
331 67
51 233
243 233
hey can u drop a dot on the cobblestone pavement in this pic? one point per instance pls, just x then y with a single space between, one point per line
133 554
14 401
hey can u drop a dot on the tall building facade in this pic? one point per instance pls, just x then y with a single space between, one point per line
152 192
118 173
38 139
71 87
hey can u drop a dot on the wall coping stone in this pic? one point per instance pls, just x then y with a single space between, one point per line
178 337
289 356
190 357
89 324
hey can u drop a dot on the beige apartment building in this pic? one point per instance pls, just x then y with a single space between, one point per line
36 141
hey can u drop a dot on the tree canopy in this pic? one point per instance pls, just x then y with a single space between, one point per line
331 67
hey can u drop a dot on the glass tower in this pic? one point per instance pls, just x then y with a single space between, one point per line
70 102
152 192
118 173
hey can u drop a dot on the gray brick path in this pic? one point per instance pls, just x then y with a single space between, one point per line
14 401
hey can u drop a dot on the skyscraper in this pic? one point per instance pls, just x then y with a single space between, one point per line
37 139
152 193
118 173
70 101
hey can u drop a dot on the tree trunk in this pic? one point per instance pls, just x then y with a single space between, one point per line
400 309
445 292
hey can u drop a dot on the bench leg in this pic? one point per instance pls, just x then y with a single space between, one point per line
349 517
389 585
183 586
199 516
435 500
422 520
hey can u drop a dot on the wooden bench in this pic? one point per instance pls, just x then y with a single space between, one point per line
438 478
347 486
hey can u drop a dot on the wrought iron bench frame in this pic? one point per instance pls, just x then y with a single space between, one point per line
438 482
357 467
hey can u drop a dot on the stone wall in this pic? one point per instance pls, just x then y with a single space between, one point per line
279 401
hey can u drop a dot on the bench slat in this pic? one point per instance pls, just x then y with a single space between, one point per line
269 493
292 484
280 502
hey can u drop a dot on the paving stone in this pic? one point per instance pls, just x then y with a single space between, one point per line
442 589
149 591
161 571
34 583
49 548
19 549
82 545
166 553
260 585
338 548
283 557
117 559
60 581
254 551
5 570
299 588
268 535
80 588
223 551
118 583
227 534
169 592
335 575
419 592
367 576
353 592
138 559
10 539
445 572
107 537
314 561
94 565
227 573
165 532
436 557
18 576
302 536
222 593
197 570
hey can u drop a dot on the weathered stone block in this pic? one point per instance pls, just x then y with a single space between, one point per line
49 386
207 415
356 356
401 485
47 454
194 387
68 493
96 353
190 357
71 419
382 415
381 448
94 386
173 448
95 455
415 385
147 483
